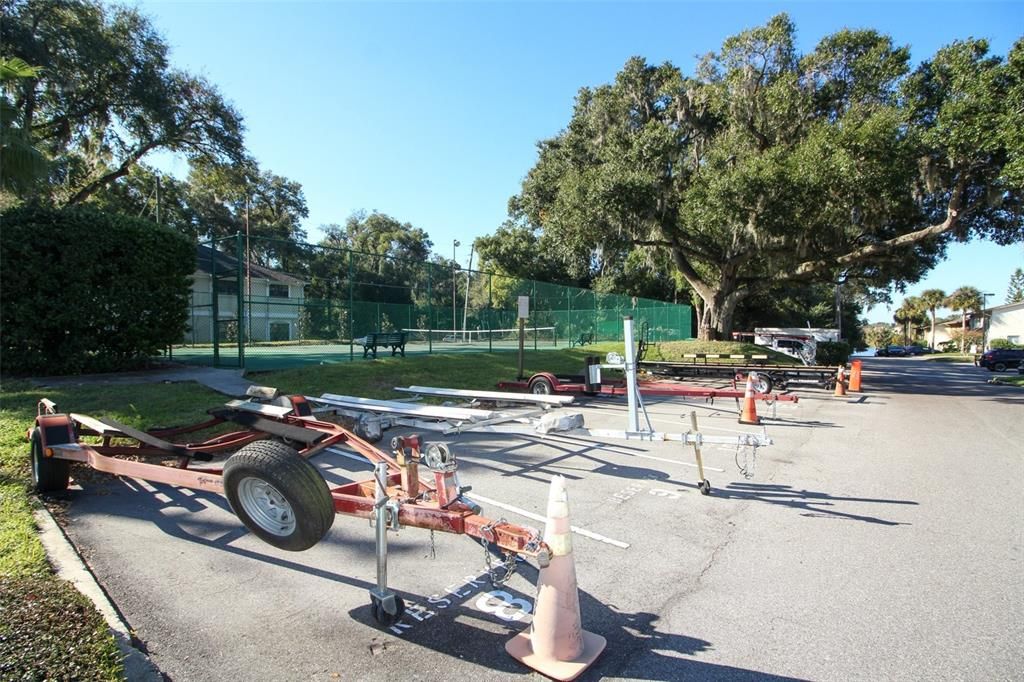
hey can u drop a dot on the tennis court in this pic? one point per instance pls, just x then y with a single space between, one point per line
313 303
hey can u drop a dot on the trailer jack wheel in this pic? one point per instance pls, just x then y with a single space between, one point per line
704 487
382 609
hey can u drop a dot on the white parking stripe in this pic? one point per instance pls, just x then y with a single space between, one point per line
537 517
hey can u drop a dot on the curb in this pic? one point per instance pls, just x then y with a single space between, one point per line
69 566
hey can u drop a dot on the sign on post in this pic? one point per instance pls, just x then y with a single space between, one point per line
524 307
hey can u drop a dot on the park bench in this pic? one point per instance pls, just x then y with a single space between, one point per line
582 340
374 340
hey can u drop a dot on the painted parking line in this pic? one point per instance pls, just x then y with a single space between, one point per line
508 507
537 517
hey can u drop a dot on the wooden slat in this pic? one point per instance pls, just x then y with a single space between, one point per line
258 423
146 438
259 408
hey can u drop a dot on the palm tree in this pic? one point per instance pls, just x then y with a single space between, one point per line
964 299
933 299
23 163
909 311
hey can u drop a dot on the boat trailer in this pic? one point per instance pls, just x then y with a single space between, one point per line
273 488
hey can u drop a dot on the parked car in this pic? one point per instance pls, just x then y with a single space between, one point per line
1001 360
916 350
892 351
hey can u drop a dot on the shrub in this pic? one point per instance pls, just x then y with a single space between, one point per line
86 291
1004 344
832 353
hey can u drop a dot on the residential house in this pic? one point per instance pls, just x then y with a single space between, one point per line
1004 322
272 300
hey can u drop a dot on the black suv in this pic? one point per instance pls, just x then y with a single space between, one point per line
1001 360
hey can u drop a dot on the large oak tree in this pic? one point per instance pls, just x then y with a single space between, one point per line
767 166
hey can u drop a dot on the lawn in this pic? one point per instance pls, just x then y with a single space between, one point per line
1012 380
949 357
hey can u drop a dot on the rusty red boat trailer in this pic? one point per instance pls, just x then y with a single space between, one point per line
272 487
546 382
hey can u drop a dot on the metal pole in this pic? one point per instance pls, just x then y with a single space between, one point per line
158 199
430 309
490 312
215 305
465 308
522 333
455 242
381 510
351 312
630 370
241 301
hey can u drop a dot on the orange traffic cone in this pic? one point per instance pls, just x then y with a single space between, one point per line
749 413
556 644
855 369
840 382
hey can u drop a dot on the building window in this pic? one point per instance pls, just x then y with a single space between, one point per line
226 286
280 331
279 291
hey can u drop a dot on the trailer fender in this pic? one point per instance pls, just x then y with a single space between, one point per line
543 383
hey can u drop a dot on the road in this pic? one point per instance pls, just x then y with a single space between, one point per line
879 538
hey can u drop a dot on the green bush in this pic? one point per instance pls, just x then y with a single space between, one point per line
86 291
1004 344
832 353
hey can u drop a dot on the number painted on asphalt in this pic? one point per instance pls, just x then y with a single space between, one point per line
661 492
503 605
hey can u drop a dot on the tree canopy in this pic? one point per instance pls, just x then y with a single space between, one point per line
105 96
767 166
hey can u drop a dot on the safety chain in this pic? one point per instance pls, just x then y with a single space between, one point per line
509 561
749 459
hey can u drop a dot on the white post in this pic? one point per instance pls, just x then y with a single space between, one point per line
630 370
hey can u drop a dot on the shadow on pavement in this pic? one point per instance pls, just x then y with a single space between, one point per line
816 503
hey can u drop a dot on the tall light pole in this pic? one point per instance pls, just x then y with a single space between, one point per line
455 243
984 322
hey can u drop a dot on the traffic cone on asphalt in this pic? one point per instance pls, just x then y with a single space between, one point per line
855 369
556 645
748 415
840 382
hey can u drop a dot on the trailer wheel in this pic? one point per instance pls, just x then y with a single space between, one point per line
704 487
49 474
278 495
541 386
383 617
763 383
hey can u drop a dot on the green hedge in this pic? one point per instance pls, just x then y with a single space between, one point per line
1004 344
832 353
86 291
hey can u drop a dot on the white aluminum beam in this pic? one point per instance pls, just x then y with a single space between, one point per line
488 395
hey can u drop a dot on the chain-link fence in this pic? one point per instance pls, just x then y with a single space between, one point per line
290 304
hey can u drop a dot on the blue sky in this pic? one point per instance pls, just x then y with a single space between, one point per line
430 112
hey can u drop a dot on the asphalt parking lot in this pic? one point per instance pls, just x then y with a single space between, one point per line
879 538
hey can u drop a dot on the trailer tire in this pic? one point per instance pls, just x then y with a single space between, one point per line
541 386
278 495
49 474
763 384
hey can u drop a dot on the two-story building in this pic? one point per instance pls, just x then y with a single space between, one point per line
272 300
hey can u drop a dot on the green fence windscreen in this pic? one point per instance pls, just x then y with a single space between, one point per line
291 304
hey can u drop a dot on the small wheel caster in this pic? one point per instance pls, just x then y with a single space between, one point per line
704 487
384 618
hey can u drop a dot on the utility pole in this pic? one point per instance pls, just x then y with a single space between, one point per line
465 309
455 243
